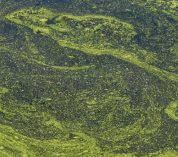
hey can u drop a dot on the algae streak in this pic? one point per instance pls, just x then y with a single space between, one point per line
90 36
172 111
3 90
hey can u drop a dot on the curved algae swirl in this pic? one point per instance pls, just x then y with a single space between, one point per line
172 110
77 33
116 125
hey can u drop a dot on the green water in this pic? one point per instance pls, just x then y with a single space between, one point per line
88 78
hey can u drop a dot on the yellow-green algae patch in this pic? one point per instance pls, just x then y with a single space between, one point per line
41 59
94 31
126 56
89 30
67 68
3 90
80 145
14 144
172 110
2 48
169 153
90 34
165 153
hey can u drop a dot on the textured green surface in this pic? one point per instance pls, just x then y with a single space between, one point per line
86 78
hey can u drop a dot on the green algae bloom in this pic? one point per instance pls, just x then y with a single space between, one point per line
88 78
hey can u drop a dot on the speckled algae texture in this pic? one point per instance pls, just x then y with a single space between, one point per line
86 78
